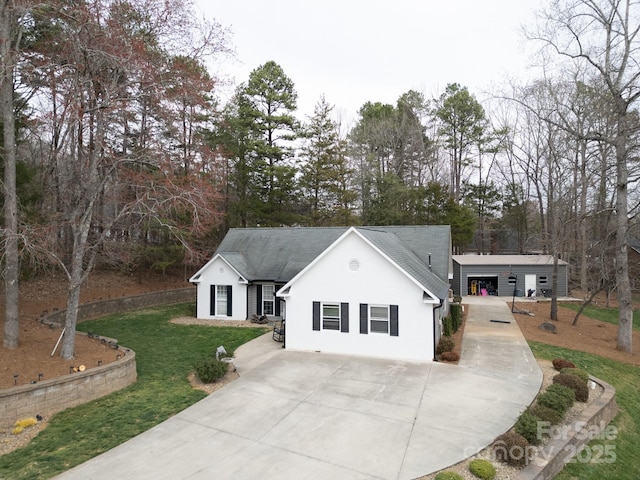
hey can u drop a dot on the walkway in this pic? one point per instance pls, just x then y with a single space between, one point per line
299 415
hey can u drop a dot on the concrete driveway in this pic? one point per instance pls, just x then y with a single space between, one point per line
299 415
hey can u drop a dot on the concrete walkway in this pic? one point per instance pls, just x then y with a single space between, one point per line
299 415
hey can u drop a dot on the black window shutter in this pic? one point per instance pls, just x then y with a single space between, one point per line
393 328
229 300
364 318
212 300
259 300
276 300
316 315
344 317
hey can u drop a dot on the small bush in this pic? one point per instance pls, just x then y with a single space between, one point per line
447 326
208 369
564 392
575 383
445 344
555 400
448 475
449 357
546 414
527 426
560 363
578 373
456 316
483 469
511 448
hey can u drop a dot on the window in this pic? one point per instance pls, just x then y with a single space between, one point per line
268 299
379 318
221 300
331 316
543 280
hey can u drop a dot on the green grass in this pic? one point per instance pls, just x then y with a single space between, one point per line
165 353
626 380
609 315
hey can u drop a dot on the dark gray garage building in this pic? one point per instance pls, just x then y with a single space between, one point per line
505 274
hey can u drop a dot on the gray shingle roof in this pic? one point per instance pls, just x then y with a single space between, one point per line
278 254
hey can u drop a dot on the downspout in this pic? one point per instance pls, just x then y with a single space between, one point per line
435 340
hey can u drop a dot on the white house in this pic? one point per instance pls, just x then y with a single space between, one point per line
373 291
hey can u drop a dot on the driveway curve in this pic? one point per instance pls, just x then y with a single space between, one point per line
302 415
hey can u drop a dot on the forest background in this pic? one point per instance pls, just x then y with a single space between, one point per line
118 153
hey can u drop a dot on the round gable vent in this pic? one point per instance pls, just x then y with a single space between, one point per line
354 265
221 270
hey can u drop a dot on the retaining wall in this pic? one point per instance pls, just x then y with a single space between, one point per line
50 396
563 449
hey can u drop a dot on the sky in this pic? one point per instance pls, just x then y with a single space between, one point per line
357 51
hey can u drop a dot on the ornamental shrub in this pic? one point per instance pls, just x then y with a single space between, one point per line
483 469
456 316
563 391
512 448
445 344
447 326
208 369
448 475
449 357
545 414
560 363
527 426
578 373
558 400
575 383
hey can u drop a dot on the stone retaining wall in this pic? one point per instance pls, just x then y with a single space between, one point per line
50 396
561 450
102 308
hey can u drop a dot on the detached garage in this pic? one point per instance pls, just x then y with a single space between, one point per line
502 275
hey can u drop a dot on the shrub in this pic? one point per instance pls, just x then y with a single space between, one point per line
448 475
559 401
546 414
575 383
208 369
447 326
560 363
449 357
527 426
511 448
578 373
456 316
445 344
482 469
564 392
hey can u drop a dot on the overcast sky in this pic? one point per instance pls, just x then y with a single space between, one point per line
359 51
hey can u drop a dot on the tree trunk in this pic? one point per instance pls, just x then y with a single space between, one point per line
11 260
625 305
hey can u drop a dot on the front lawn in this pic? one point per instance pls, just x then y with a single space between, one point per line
165 353
626 380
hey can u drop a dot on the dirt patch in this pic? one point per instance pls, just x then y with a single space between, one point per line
591 336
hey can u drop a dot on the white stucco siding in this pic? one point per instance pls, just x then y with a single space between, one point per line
218 272
375 282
